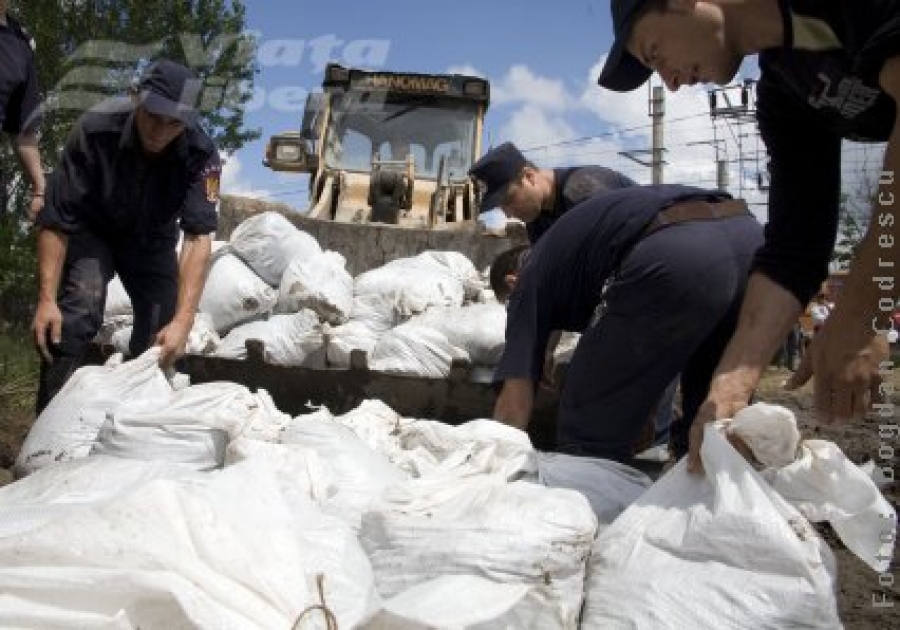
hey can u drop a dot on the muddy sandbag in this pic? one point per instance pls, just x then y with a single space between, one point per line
320 283
68 426
233 294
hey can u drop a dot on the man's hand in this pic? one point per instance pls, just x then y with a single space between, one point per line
728 394
47 320
172 340
843 359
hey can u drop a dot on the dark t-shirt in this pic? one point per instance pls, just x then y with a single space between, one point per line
19 96
822 86
562 282
574 185
106 184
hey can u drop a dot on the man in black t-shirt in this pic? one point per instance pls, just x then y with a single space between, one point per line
538 196
134 174
668 308
830 69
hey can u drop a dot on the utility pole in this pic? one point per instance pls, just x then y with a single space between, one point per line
656 110
657 113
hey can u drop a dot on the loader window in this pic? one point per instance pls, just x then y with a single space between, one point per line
432 127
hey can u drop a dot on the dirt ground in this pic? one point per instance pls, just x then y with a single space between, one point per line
861 589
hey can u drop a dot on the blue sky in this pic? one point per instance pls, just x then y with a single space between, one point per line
542 61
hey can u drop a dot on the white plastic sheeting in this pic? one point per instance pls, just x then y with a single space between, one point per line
268 242
225 550
722 550
233 294
320 283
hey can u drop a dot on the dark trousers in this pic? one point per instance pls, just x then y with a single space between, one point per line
149 273
671 310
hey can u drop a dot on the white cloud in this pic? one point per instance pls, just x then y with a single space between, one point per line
522 86
234 183
530 126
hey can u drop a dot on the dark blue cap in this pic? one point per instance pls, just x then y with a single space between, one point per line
622 71
170 89
495 171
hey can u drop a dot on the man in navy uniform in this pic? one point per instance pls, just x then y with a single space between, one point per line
20 104
134 173
830 69
537 196
668 307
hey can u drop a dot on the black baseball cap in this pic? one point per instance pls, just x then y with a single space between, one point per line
496 170
170 89
622 71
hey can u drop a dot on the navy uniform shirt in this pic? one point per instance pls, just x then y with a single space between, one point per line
574 185
562 281
106 184
19 96
820 87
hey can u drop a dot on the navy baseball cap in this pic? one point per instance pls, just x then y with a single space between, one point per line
170 89
622 71
496 170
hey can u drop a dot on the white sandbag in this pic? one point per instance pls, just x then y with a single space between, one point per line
192 427
320 283
825 486
378 426
479 329
121 340
458 266
341 341
203 338
432 449
117 300
414 351
226 550
54 490
512 533
233 294
610 487
770 431
418 282
68 426
359 474
820 482
294 339
299 469
268 242
112 325
488 605
267 421
721 550
378 311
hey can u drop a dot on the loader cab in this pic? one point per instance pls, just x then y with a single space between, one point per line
388 147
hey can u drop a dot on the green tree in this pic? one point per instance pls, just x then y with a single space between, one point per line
88 50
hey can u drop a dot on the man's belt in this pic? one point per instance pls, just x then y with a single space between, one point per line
696 210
